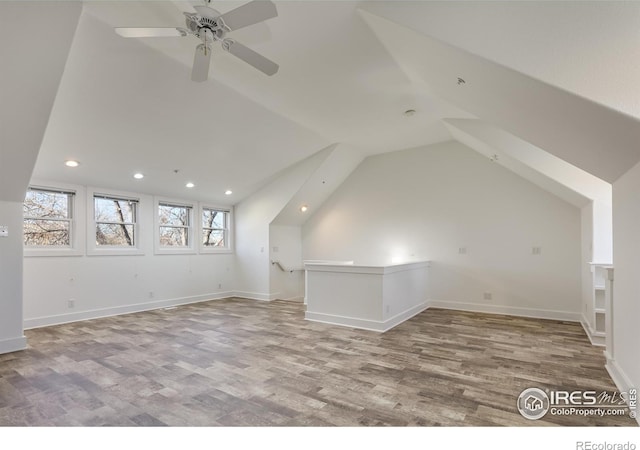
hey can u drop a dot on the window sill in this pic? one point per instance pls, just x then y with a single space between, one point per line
175 251
115 252
51 252
215 251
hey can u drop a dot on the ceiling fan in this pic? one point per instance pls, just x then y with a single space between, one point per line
210 26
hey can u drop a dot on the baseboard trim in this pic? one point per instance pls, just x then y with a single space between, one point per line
59 319
598 341
263 297
13 344
351 322
620 378
298 299
507 310
404 316
379 326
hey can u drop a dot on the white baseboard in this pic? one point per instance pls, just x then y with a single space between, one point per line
351 322
13 344
507 310
45 321
404 316
379 326
264 297
621 380
298 299
591 334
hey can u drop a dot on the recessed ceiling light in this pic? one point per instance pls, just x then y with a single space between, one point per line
190 185
304 208
71 163
409 112
138 176
228 192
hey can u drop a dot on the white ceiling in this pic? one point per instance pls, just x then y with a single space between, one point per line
593 137
127 105
29 76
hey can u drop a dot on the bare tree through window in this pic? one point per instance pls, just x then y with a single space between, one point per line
115 221
47 218
175 225
215 227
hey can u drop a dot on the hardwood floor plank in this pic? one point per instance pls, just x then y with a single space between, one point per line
237 362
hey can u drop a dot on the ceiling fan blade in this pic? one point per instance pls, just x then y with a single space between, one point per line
250 57
205 11
249 13
201 61
151 32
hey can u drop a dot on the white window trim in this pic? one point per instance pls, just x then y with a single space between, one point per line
95 250
213 250
77 230
161 250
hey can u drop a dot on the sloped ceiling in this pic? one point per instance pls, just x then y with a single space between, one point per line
31 68
128 105
559 75
589 48
534 164
590 136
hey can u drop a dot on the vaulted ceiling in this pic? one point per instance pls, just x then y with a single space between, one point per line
559 75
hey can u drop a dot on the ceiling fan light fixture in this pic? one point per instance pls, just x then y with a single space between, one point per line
228 192
304 208
210 26
138 176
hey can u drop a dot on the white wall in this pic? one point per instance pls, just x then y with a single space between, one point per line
106 285
429 202
626 294
11 337
252 218
587 219
285 246
32 67
603 230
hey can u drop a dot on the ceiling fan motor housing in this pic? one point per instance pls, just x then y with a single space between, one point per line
198 24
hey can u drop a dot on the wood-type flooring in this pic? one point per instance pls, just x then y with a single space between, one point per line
237 362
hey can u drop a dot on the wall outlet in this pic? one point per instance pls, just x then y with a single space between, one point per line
151 294
487 296
219 285
462 251
536 250
71 303
4 231
387 309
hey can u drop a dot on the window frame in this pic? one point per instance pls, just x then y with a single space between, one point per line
93 249
228 248
76 232
169 250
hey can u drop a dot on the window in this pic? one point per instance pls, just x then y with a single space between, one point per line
48 218
215 228
115 220
174 223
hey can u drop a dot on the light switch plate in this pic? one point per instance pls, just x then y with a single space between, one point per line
4 231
